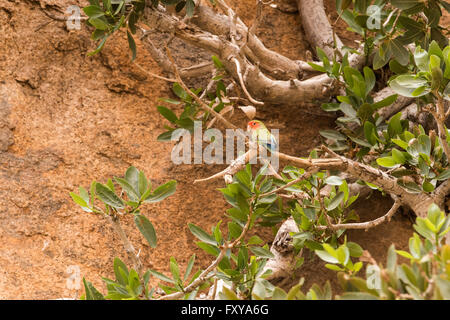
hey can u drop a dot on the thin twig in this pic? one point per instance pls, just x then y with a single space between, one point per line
439 116
241 80
368 224
194 96
115 223
153 74
304 176
203 277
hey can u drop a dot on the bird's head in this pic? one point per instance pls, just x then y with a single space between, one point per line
254 125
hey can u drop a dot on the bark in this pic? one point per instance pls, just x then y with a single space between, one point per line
314 18
275 64
282 265
259 85
115 223
397 106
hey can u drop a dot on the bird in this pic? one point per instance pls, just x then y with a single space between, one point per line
261 135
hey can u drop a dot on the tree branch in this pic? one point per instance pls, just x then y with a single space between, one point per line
439 116
366 225
115 223
315 89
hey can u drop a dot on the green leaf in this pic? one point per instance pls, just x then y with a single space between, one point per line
334 203
391 259
334 267
424 144
121 277
93 11
162 192
404 254
325 256
146 228
262 252
128 188
400 53
333 135
330 106
211 249
144 184
167 113
201 234
179 91
161 276
411 186
279 294
100 46
189 267
321 54
397 68
369 78
435 49
361 142
427 186
343 255
421 59
400 143
190 6
444 287
317 67
357 296
217 62
349 18
108 197
91 292
355 249
99 23
229 295
132 177
405 85
78 200
165 136
254 240
398 156
365 111
443 175
334 180
387 162
404 4
379 60
175 269
132 45
370 133
395 125
348 110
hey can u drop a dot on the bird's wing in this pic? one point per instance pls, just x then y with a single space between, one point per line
266 139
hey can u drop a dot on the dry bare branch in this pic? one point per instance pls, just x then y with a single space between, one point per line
241 81
315 89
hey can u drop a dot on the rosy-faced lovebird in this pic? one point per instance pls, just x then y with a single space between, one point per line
262 135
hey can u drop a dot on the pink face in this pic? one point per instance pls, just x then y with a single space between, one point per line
252 125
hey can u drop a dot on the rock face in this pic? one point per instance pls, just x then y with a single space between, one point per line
67 119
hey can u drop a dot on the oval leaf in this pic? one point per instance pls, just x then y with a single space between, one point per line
146 228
